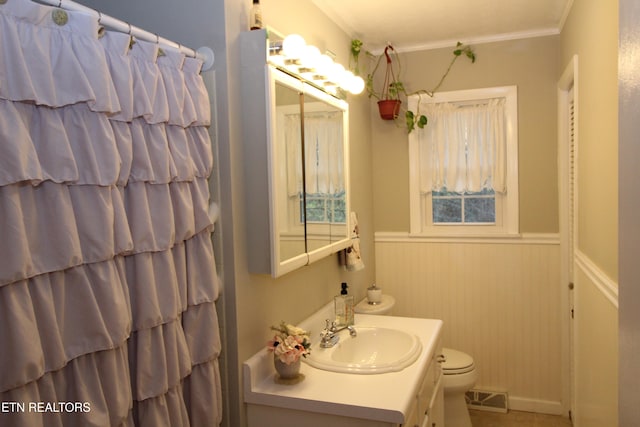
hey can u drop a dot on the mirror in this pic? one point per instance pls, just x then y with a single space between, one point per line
296 181
325 181
289 172
316 216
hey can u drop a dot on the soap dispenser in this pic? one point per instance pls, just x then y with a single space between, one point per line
344 307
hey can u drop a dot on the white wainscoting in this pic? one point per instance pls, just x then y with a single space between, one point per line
500 300
596 346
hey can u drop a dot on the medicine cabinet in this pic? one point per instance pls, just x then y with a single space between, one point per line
295 147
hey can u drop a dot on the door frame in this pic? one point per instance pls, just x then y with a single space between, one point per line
568 91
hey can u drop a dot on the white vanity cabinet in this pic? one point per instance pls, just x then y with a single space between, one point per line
409 397
428 408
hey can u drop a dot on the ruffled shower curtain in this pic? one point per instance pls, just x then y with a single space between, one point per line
107 273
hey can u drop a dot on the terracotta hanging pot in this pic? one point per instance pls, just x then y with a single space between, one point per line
389 108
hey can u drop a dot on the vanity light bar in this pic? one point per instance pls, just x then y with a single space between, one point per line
305 61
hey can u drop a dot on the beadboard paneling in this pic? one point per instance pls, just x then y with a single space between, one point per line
595 346
500 302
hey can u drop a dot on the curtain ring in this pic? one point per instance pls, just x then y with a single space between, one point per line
99 17
130 29
59 4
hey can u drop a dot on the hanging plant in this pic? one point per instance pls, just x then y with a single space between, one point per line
354 59
389 101
389 95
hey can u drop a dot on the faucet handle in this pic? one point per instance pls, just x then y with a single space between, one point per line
327 328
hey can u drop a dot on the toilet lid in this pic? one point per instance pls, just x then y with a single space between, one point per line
456 362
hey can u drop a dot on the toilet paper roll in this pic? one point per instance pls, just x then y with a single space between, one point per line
374 296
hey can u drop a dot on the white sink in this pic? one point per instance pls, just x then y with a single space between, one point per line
373 350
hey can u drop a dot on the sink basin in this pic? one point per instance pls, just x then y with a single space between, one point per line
373 351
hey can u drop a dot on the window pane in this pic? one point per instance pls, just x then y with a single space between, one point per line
339 210
481 210
324 208
444 192
447 210
316 210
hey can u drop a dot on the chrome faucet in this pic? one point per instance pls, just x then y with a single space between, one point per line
329 336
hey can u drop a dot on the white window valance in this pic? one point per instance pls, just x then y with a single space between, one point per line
463 147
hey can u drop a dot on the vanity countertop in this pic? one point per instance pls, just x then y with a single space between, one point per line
381 397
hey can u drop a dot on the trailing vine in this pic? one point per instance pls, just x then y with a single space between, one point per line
393 88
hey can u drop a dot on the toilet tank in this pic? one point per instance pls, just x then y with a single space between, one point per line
384 307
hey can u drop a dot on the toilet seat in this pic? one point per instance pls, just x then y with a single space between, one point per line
456 362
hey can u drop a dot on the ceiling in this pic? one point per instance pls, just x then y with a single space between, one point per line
426 24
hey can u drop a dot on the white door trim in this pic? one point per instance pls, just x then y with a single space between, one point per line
567 92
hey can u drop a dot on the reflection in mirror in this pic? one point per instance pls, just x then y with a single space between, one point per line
289 173
325 207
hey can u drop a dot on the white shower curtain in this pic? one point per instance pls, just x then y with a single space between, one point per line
107 273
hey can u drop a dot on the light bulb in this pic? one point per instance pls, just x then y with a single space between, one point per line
336 73
293 46
309 57
323 66
357 85
345 79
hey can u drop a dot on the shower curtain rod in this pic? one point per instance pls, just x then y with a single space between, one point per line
204 53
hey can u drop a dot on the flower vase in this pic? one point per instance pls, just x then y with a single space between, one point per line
285 371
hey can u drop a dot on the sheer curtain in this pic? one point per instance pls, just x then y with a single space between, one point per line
463 148
323 152
107 273
323 164
292 146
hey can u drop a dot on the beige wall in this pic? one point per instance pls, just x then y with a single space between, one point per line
591 32
501 302
530 64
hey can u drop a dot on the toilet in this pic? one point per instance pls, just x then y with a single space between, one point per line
384 307
458 376
458 370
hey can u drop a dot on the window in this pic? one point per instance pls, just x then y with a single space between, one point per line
464 164
469 207
324 208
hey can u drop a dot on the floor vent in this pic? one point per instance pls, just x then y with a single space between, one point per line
487 400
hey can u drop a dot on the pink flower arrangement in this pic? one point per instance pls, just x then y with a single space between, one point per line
289 343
